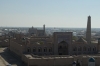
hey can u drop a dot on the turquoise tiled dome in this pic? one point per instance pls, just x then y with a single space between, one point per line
91 59
74 62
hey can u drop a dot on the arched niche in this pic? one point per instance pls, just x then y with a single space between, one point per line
63 48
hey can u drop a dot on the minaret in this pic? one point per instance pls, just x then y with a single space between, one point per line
88 31
44 28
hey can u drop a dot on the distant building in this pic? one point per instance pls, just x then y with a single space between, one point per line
35 32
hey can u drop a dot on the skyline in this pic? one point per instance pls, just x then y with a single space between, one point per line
53 13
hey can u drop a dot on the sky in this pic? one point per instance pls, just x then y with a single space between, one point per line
52 13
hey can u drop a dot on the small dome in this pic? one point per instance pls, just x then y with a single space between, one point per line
23 39
91 59
74 62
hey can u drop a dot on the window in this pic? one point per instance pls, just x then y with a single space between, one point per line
89 49
50 49
40 49
28 49
94 48
34 49
74 49
45 49
84 48
79 49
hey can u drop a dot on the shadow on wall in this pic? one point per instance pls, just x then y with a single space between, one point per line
11 58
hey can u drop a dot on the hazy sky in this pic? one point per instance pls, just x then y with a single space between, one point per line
52 13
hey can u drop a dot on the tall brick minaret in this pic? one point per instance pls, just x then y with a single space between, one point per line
44 28
88 31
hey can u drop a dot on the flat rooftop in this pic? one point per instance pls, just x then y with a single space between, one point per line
31 56
46 57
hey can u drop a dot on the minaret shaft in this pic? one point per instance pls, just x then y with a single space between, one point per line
88 31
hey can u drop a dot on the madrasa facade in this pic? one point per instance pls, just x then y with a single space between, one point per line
60 43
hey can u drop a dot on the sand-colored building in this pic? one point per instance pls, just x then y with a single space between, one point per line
57 50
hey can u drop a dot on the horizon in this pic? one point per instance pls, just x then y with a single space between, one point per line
53 13
50 27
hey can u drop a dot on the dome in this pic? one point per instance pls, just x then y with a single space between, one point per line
74 62
23 38
91 59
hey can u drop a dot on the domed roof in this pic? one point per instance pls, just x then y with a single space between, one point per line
91 59
74 62
23 38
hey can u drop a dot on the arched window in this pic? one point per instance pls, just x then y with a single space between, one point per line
79 49
34 49
94 48
84 48
74 49
45 49
39 49
50 49
89 49
28 49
